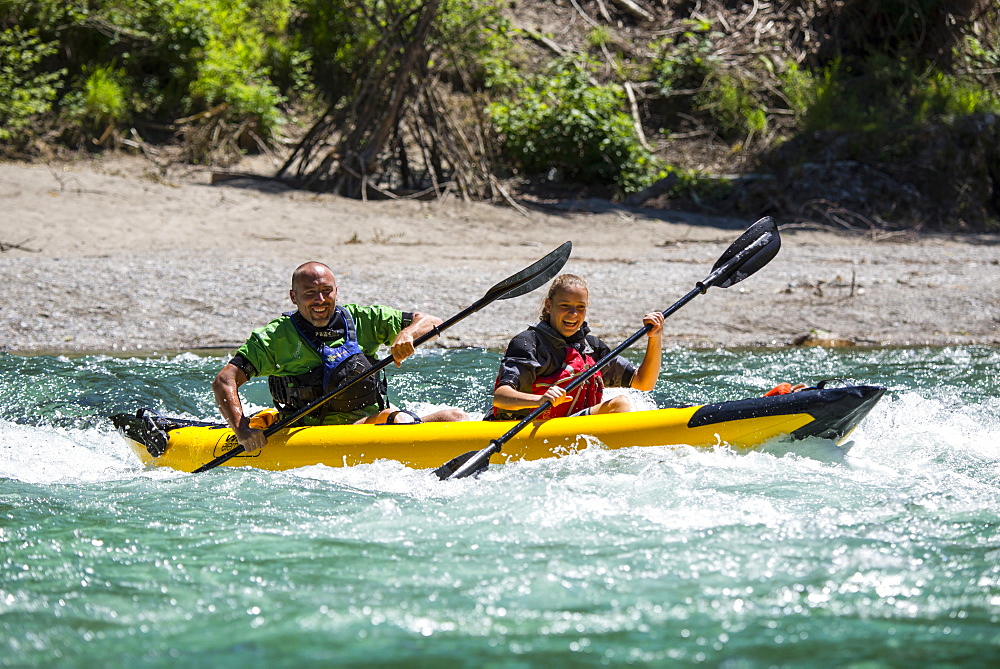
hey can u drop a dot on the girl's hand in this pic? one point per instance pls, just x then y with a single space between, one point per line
656 319
555 395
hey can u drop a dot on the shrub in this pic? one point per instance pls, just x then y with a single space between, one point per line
800 89
562 121
731 103
685 62
231 69
885 96
105 97
26 89
599 37
479 39
688 65
159 60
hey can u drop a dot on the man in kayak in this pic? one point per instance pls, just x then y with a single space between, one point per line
543 359
319 347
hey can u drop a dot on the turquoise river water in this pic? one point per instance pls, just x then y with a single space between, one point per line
882 553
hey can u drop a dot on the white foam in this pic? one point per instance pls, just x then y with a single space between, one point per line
63 455
911 433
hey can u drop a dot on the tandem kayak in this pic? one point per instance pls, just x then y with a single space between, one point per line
185 445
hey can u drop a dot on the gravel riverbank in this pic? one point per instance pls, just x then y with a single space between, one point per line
114 257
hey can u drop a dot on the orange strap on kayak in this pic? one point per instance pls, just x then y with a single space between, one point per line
263 419
784 389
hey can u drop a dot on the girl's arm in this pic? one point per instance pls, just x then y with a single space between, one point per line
645 377
508 399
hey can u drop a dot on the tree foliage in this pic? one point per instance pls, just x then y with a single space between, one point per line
469 97
152 63
26 90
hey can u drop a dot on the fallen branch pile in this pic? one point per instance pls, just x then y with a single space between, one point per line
399 133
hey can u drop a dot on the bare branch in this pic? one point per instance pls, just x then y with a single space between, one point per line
634 9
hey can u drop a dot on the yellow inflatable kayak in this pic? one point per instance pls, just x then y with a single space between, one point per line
829 413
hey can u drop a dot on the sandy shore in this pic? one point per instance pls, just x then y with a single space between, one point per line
115 256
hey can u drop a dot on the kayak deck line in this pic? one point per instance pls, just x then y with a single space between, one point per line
184 445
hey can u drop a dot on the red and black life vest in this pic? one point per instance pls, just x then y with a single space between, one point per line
558 362
587 394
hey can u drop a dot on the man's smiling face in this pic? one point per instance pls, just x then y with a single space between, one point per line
315 294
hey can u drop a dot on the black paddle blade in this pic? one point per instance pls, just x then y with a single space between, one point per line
472 463
531 277
754 249
446 470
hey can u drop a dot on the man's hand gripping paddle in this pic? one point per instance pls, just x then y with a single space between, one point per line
754 249
525 281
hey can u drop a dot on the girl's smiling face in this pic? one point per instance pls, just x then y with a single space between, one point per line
567 309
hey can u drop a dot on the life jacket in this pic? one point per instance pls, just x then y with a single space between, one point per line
587 394
340 364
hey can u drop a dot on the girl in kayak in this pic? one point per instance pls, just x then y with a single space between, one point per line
542 360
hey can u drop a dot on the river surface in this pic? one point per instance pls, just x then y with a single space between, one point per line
882 553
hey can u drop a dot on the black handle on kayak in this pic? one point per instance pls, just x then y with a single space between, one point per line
751 251
525 281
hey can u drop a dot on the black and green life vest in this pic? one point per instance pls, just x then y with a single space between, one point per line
340 365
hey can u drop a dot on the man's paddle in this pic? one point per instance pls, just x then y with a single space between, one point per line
754 249
525 281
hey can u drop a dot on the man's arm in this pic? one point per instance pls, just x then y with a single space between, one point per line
226 388
402 347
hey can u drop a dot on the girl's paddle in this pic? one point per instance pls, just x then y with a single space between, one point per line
525 281
754 249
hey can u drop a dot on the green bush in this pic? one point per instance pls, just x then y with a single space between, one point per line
160 60
732 105
26 89
800 89
599 37
105 97
562 121
231 73
946 97
473 35
685 62
883 96
477 38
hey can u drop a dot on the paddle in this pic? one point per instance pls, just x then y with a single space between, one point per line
525 281
754 249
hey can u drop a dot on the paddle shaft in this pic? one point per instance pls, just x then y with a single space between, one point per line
497 444
723 274
524 281
374 369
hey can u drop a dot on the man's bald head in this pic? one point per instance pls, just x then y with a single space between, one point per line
311 271
314 292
